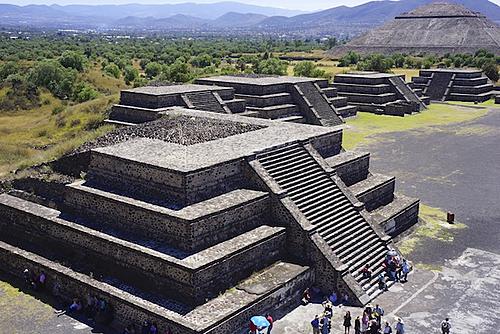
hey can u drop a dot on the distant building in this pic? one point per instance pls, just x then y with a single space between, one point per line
438 28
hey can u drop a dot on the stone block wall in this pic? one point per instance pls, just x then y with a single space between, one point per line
134 114
178 187
354 171
62 282
186 231
191 283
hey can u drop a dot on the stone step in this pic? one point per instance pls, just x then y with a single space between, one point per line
296 174
362 88
317 200
331 225
266 100
118 123
350 166
330 92
316 187
192 277
340 210
191 228
280 284
363 254
470 97
369 98
131 114
276 111
347 111
301 180
338 101
398 215
293 119
479 89
374 191
250 114
237 106
294 160
351 227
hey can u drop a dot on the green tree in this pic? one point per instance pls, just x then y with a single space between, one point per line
112 70
84 92
7 69
271 66
53 76
153 69
308 69
130 74
72 59
203 60
179 72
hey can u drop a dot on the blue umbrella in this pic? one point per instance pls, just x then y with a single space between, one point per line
259 321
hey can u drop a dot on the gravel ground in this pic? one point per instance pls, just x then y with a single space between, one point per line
182 130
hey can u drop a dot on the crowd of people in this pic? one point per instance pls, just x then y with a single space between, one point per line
371 322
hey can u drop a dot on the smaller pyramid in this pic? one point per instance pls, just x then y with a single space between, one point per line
437 28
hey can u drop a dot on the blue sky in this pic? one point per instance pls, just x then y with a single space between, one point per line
292 4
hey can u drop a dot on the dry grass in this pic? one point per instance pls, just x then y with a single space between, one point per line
33 136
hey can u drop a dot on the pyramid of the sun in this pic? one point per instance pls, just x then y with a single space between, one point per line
437 28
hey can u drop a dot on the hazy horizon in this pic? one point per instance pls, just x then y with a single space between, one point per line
289 4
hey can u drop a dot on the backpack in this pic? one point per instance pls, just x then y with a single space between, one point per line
444 325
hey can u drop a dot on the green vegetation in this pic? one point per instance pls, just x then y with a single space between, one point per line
308 69
366 126
433 226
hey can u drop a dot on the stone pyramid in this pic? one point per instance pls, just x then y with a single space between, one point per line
437 28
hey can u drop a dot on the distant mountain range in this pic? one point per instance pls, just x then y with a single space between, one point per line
222 16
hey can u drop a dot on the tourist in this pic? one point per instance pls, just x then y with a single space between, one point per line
379 312
373 327
90 306
393 268
270 319
306 297
345 299
74 307
325 325
333 298
364 322
347 322
366 271
315 324
382 285
405 269
400 327
445 326
29 279
41 280
387 328
357 325
328 308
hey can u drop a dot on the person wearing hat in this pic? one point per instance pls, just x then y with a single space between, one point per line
400 327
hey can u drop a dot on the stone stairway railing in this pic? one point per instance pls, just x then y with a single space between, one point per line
408 93
329 211
205 100
328 115
439 85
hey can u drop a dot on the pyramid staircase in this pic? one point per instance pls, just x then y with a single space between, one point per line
351 237
340 103
406 92
467 85
326 113
205 100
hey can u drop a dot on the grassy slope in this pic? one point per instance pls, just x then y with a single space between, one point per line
365 126
33 136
